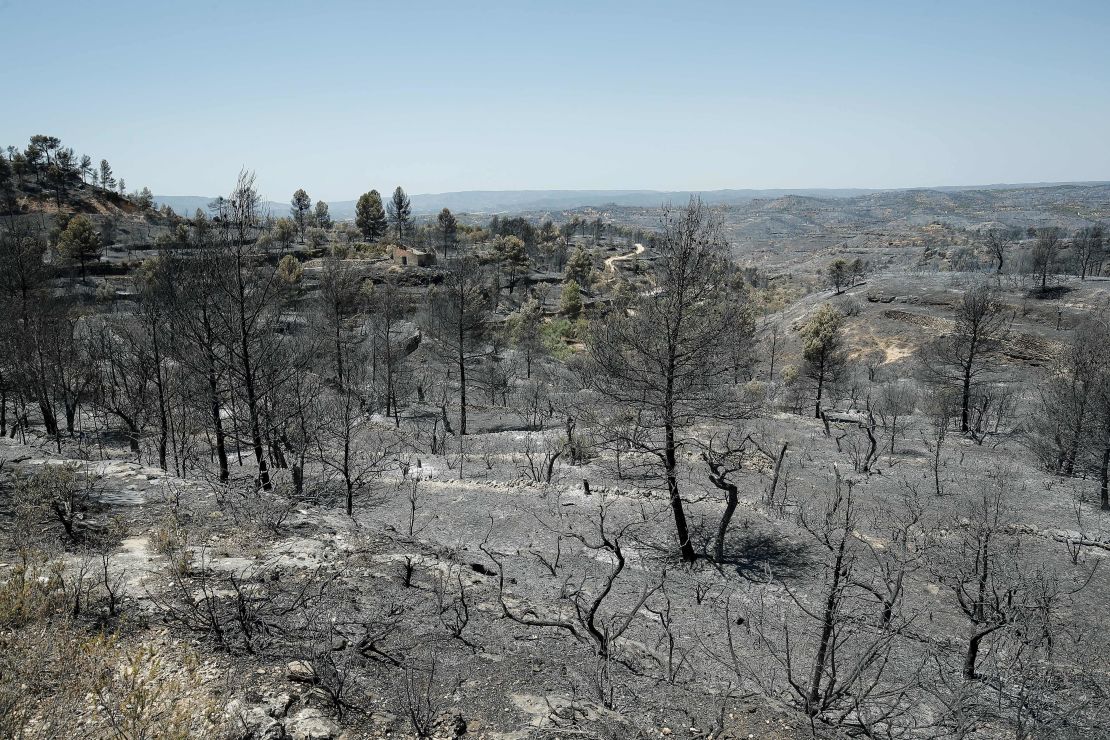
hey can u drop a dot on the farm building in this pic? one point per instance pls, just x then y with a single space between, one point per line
416 257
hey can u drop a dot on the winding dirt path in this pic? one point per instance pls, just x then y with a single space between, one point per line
610 267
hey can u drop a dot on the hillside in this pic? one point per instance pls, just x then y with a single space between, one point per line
519 201
472 482
515 201
558 448
36 198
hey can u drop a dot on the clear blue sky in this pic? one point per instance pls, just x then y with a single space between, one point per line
339 97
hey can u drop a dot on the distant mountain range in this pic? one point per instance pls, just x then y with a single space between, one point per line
515 201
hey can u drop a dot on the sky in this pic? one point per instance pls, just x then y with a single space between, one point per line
342 97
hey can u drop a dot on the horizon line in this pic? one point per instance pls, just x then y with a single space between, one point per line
695 191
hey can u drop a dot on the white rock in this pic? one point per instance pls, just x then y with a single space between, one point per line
254 720
309 724
299 670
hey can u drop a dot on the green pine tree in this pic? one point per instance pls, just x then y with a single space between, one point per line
370 216
79 242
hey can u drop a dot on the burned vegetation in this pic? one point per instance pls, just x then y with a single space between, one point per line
277 476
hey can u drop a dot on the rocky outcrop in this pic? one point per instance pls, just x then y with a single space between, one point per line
301 671
268 721
310 724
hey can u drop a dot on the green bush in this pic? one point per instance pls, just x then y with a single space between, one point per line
557 332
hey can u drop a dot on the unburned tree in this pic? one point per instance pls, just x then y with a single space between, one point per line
570 299
370 215
80 243
525 327
823 351
283 231
399 211
511 258
580 267
448 230
321 216
107 180
301 205
839 273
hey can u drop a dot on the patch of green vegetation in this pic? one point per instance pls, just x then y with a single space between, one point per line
556 333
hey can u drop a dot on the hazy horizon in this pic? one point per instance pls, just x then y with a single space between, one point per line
664 191
705 96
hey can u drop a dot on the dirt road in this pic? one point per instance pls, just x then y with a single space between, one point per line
609 266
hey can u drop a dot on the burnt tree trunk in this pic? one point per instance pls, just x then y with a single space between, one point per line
828 625
1104 473
686 548
775 476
